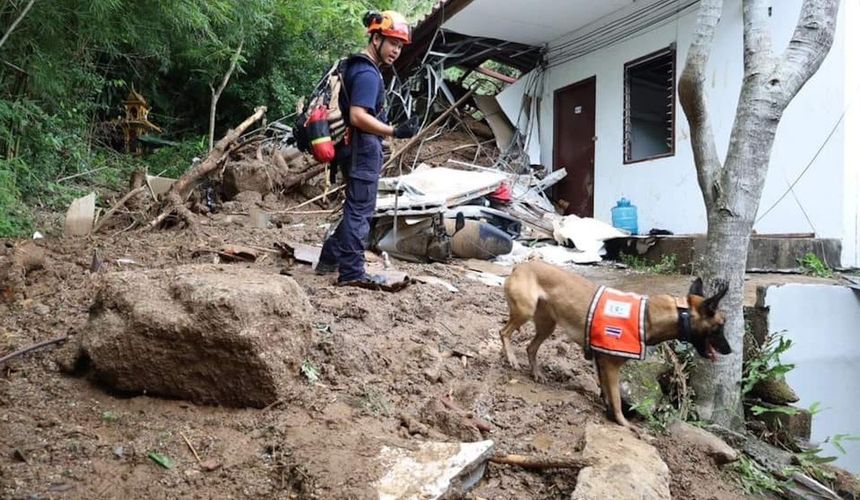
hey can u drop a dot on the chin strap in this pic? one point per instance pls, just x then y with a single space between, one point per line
379 61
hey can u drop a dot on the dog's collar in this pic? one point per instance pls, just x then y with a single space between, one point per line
685 325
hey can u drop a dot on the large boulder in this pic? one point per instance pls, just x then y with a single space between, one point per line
210 334
623 467
715 447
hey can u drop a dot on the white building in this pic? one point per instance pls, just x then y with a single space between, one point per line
605 107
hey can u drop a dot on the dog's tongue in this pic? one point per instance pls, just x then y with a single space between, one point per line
712 353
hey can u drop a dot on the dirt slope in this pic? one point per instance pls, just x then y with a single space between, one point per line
381 358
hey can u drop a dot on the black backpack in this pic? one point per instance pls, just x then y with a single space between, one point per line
324 100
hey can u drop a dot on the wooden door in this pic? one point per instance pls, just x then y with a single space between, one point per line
574 146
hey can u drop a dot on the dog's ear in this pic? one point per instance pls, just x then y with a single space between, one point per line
697 288
709 306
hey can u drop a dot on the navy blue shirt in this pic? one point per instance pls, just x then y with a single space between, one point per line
364 87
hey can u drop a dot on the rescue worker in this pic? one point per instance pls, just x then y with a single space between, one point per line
364 96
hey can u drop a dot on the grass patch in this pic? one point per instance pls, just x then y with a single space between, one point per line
668 264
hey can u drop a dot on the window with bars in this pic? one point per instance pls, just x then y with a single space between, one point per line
649 106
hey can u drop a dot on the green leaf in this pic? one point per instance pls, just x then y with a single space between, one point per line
161 460
110 416
786 410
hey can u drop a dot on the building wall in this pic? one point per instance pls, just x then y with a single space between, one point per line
821 321
666 190
851 58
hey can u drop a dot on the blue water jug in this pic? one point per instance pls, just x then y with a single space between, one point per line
624 216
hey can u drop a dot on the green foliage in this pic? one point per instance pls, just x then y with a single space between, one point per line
814 266
375 402
667 265
14 219
758 410
173 161
110 416
311 371
765 364
750 476
69 64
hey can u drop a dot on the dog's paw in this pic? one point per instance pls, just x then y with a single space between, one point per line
512 362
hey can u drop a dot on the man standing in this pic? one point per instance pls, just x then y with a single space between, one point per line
364 96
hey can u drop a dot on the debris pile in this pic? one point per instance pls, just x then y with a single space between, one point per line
462 187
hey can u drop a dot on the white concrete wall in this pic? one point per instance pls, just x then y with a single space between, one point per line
851 58
823 322
666 190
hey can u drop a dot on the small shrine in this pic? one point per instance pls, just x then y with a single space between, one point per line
136 122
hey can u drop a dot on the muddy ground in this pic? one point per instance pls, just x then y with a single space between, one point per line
380 357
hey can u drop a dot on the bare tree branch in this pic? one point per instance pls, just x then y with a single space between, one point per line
691 92
758 53
216 94
807 49
16 21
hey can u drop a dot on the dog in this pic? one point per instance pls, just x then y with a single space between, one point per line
550 296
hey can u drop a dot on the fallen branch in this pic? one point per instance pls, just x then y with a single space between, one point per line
308 202
117 206
541 463
190 447
33 348
174 200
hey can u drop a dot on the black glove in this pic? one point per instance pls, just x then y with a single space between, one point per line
407 129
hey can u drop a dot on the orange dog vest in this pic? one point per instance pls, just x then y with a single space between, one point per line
616 324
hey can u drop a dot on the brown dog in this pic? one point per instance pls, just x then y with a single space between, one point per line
551 296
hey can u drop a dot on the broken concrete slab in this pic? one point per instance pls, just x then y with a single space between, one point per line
433 470
624 467
80 216
210 334
158 186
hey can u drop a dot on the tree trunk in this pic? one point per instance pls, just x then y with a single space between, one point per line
732 191
216 94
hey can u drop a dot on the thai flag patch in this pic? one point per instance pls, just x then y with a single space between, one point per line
613 331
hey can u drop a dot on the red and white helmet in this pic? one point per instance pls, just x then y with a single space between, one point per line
390 23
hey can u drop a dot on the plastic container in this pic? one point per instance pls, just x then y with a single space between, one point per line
624 216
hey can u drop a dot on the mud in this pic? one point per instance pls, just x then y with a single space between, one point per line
380 361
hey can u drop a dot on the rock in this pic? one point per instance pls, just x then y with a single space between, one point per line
210 334
770 457
624 467
250 175
715 447
787 420
68 355
434 470
210 465
846 484
640 386
775 391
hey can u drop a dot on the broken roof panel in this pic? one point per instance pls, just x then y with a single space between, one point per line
432 190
